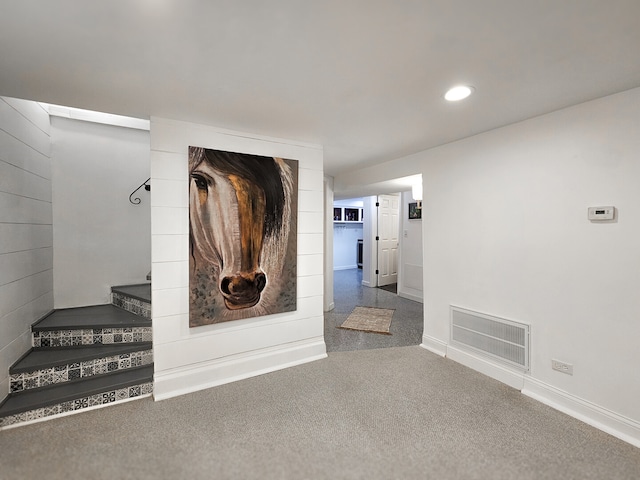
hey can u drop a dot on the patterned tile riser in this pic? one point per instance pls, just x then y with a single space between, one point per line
133 305
88 368
98 336
79 404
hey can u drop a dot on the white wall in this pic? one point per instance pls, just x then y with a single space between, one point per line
26 244
506 233
189 359
410 268
345 243
100 238
328 302
345 237
369 246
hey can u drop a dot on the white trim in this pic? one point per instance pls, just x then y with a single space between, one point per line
345 267
610 422
434 345
617 425
501 373
410 296
179 124
97 117
192 378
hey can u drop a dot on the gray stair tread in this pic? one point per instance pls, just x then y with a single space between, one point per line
97 316
47 357
141 291
64 392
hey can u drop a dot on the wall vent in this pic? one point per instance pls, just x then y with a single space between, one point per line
501 339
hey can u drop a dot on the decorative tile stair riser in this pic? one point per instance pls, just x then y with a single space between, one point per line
99 399
133 298
137 307
83 358
96 336
73 371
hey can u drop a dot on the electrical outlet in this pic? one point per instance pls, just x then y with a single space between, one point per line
562 367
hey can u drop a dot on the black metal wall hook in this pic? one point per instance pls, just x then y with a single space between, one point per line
147 187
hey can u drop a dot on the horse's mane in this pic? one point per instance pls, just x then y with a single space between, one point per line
262 171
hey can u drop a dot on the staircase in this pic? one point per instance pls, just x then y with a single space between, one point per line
84 357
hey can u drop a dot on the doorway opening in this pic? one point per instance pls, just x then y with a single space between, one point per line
377 282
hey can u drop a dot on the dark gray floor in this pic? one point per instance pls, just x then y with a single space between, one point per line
46 357
67 391
406 325
98 316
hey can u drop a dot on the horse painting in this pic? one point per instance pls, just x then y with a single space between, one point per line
242 235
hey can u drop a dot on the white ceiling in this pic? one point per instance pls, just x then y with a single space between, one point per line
363 78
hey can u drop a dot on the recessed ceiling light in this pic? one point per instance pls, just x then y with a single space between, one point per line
458 93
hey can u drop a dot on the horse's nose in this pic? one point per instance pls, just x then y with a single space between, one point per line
237 284
243 290
260 281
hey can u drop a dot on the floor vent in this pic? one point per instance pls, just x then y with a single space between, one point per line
501 339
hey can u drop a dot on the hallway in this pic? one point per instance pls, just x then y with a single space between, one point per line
406 326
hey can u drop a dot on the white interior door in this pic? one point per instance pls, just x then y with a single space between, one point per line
388 241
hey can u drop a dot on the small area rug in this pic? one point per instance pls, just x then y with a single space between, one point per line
369 319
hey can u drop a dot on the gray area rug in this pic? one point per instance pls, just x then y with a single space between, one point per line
369 319
393 413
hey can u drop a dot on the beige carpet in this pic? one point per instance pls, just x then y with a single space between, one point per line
369 319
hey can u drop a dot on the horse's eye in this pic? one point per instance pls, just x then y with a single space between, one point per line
201 182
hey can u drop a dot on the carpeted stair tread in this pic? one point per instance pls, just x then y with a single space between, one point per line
141 291
47 357
97 316
64 392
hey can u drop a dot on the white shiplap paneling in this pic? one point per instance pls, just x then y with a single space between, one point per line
24 129
21 155
26 235
188 359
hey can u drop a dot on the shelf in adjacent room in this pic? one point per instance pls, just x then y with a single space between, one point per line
347 215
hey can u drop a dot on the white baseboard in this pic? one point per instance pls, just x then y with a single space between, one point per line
434 345
192 378
346 267
610 422
410 296
498 372
366 283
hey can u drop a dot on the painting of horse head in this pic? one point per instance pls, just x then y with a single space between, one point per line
242 235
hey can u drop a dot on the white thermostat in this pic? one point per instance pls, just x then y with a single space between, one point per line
601 213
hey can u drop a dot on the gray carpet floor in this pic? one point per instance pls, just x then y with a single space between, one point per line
367 411
398 412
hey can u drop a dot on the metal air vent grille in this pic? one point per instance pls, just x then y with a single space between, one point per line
502 339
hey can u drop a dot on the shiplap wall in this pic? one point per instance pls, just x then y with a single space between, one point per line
26 238
188 359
